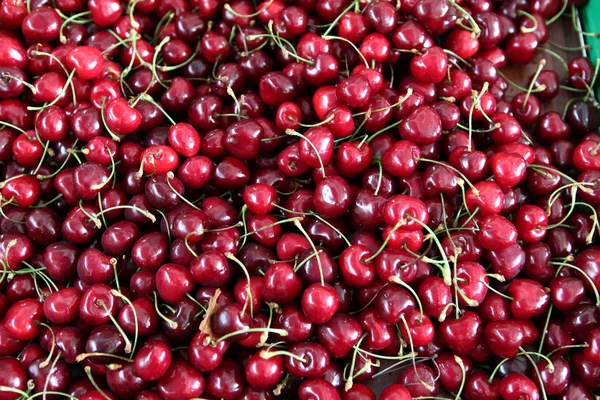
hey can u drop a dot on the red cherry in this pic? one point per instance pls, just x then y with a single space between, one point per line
184 139
121 118
431 66
87 61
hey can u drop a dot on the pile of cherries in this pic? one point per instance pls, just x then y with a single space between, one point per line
296 199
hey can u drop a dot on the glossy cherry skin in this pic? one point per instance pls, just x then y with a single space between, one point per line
227 381
317 389
461 335
21 319
57 377
62 307
504 337
557 380
514 386
263 372
152 361
319 303
529 298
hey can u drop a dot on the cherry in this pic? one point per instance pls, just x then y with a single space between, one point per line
478 386
319 303
22 318
152 361
529 298
461 335
514 386
226 381
51 378
121 118
13 376
504 338
318 389
419 381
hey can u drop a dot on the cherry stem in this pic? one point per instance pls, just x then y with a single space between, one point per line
149 99
385 241
362 57
146 214
39 271
329 224
171 175
401 100
594 218
110 132
83 356
470 302
16 128
117 293
499 293
321 123
446 274
493 128
567 48
412 350
571 101
280 332
58 97
461 365
476 30
128 345
532 84
120 42
459 58
530 17
569 346
166 223
267 353
557 56
576 25
525 352
301 263
496 369
88 372
172 324
555 196
282 221
292 132
6 77
228 8
382 357
193 299
379 178
581 186
460 174
337 19
405 285
349 381
476 97
45 363
155 58
314 248
593 82
368 139
540 347
164 21
539 376
187 243
582 272
233 258
47 381
168 68
562 10
358 128
71 19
